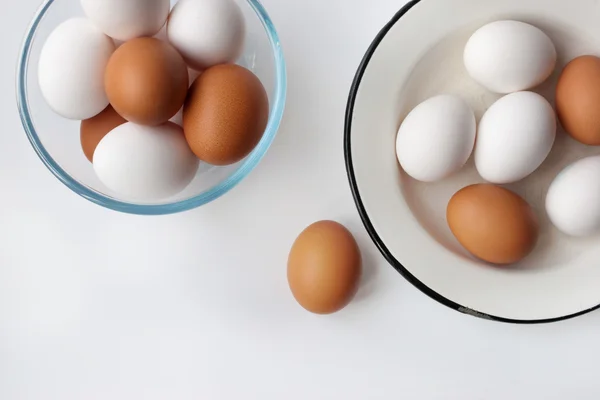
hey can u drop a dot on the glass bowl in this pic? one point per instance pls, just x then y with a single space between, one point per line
56 140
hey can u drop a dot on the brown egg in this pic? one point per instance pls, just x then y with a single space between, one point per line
146 81
225 114
577 99
93 130
324 267
493 223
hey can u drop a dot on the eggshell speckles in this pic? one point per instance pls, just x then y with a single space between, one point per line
146 81
324 267
493 223
577 99
93 130
225 114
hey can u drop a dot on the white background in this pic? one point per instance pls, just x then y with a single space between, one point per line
100 305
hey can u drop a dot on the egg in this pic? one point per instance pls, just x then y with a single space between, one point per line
93 130
324 267
71 69
146 81
493 223
436 139
207 32
225 114
515 136
577 99
509 56
128 19
573 199
143 163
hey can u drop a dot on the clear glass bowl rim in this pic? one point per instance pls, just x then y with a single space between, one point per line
159 209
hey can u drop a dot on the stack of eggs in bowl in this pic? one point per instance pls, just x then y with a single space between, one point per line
512 140
156 89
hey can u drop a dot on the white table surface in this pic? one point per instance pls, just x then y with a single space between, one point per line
100 305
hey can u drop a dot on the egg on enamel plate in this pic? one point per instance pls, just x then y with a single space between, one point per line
493 223
145 163
573 199
577 99
71 69
509 56
436 139
515 136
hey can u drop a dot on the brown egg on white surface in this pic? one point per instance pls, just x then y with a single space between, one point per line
324 267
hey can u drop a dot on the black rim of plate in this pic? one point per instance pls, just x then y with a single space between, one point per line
363 213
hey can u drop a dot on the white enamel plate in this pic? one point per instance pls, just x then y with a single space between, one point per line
418 54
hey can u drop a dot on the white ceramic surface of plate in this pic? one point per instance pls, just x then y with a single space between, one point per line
420 54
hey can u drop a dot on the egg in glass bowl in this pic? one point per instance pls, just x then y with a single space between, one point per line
56 138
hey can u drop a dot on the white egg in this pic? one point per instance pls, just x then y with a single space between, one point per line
436 139
573 200
144 163
514 138
207 32
509 56
128 19
71 69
